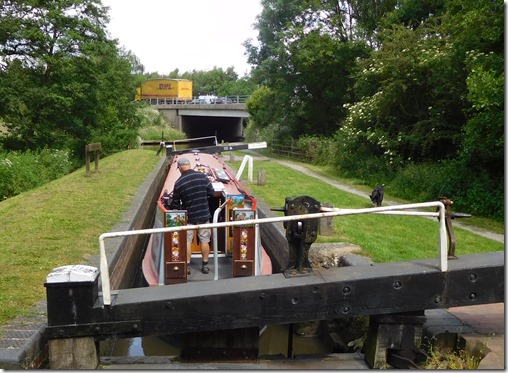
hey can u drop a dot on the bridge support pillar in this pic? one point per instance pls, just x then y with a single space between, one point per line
394 340
71 292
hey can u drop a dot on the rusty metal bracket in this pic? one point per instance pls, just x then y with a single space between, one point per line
300 234
449 215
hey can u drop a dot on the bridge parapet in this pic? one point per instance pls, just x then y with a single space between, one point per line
239 106
201 100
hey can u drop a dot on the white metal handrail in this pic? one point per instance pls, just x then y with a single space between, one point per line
215 240
391 210
257 245
246 158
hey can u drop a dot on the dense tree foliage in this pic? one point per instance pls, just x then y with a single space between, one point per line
307 54
395 84
63 83
405 92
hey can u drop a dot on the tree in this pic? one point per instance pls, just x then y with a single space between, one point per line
242 87
409 89
478 31
39 34
306 53
428 93
210 82
63 83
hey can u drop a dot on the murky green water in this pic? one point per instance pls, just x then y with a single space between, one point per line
274 340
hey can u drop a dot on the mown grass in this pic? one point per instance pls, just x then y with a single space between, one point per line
60 223
384 238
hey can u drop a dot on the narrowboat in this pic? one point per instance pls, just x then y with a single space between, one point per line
234 251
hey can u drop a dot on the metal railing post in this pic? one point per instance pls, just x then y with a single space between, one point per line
246 158
215 241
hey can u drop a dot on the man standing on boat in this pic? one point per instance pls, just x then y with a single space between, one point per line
191 193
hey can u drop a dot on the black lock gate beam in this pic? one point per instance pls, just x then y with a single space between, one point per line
383 288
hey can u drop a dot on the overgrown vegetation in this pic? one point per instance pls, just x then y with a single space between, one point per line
409 94
155 126
20 172
445 354
460 359
416 182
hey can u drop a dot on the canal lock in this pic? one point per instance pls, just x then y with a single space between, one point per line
285 340
319 337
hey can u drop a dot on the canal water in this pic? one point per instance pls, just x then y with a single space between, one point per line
273 340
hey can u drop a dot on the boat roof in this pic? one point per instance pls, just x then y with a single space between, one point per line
220 175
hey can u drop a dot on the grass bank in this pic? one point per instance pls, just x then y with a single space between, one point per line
384 238
60 223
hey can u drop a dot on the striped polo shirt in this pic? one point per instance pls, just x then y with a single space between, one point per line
193 189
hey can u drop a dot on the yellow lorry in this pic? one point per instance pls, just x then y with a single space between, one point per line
165 90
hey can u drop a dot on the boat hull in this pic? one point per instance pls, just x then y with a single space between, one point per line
238 248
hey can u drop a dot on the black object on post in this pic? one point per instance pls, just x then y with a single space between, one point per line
71 292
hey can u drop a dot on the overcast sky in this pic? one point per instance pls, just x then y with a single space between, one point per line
185 34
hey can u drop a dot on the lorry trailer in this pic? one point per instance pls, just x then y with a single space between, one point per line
158 91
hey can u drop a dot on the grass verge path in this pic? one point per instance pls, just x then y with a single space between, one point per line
499 237
480 231
384 238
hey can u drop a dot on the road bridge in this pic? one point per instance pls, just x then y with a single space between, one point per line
225 121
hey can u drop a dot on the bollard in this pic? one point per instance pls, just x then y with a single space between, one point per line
71 292
261 178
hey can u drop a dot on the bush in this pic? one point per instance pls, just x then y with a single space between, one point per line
318 149
54 163
20 172
422 182
472 190
117 141
371 170
482 196
154 125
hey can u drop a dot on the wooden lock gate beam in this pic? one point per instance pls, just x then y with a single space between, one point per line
342 292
